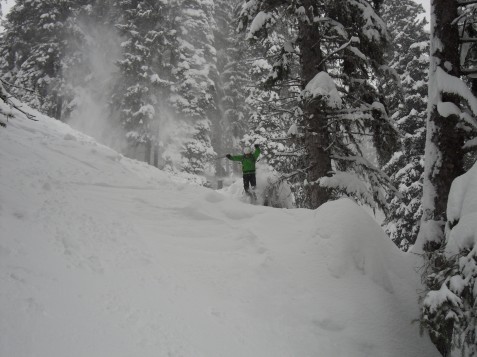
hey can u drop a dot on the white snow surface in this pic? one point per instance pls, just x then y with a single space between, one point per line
101 256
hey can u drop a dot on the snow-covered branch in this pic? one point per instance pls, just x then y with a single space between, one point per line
453 85
341 48
468 2
6 111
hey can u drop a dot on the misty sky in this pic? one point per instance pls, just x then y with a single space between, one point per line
7 4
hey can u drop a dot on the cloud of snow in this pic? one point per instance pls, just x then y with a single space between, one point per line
91 114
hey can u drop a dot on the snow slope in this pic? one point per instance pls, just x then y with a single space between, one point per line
105 256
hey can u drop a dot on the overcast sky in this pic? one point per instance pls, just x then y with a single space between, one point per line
7 4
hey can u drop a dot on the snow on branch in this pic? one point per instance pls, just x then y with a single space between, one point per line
7 106
374 28
453 85
342 47
336 26
257 24
360 160
436 298
322 86
350 184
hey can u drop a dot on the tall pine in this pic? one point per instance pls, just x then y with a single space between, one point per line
234 78
140 89
194 73
406 101
448 306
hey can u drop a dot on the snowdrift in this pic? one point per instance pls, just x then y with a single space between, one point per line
105 256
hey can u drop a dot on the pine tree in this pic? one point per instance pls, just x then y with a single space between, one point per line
232 55
447 310
34 51
406 102
138 95
275 110
194 73
339 48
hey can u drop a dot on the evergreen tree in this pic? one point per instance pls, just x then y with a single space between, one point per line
275 111
448 309
34 49
339 48
138 95
406 102
194 73
234 80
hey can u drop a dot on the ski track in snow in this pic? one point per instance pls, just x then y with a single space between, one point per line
105 256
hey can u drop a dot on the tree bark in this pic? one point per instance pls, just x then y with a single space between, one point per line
147 154
443 154
156 154
316 136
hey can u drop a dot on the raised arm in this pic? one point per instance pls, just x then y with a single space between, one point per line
234 157
257 152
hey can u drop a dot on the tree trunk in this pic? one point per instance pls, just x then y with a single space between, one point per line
317 138
444 157
156 154
147 154
58 108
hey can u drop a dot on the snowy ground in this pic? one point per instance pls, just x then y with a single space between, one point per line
104 256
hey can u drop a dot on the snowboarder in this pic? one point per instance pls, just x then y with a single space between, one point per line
248 160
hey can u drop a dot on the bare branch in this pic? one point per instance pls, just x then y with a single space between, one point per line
468 39
468 2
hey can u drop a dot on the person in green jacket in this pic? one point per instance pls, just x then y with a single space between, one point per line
248 160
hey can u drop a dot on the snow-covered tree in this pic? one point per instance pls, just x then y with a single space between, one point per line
274 109
447 310
406 101
138 94
34 49
194 73
339 48
234 79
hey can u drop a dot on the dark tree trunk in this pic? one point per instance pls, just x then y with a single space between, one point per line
147 154
156 154
446 162
317 136
57 113
444 154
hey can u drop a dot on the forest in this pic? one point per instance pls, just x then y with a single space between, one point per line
353 98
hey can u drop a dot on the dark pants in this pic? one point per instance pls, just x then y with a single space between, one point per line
249 180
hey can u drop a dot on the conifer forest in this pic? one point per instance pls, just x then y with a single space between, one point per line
364 99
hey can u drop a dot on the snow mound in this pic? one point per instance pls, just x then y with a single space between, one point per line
363 248
101 255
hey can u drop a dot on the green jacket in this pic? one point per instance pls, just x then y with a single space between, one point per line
248 161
